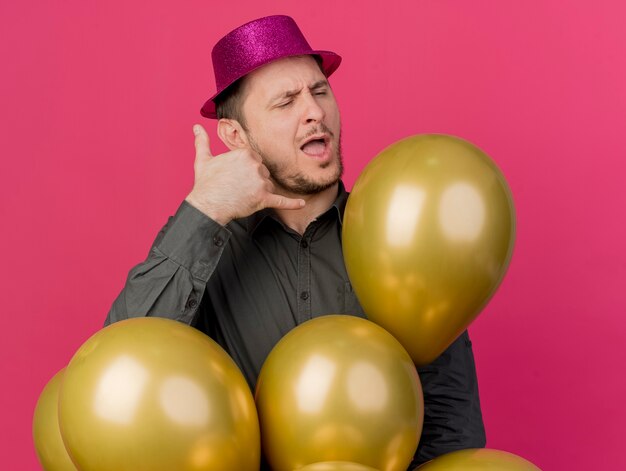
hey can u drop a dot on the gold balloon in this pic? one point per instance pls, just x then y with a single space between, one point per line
339 388
46 433
479 459
428 234
335 466
154 394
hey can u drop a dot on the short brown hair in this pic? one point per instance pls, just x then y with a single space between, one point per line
228 104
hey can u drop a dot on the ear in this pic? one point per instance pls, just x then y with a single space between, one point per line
232 134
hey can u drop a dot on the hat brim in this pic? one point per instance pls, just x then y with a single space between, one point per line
330 63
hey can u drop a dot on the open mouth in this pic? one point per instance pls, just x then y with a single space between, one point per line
316 147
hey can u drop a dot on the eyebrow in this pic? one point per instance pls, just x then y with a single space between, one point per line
291 93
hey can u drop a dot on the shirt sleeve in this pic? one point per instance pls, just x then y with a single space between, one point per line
452 415
170 283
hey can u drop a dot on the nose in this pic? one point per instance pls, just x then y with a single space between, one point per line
313 112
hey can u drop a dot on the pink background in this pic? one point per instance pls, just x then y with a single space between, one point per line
97 103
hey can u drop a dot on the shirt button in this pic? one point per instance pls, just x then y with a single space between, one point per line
192 303
217 240
304 295
304 244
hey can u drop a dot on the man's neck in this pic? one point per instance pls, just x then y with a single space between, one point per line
299 219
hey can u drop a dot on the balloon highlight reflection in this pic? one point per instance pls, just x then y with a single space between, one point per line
339 388
428 234
152 393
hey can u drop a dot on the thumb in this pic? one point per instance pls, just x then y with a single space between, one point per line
282 202
201 142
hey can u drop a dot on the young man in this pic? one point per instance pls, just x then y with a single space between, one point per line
255 248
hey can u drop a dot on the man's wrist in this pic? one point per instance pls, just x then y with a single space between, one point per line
218 216
193 240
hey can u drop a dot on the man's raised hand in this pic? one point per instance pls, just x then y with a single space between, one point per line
232 185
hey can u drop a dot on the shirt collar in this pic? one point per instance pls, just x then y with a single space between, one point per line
340 202
338 207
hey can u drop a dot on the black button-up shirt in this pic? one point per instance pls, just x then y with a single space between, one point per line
249 283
